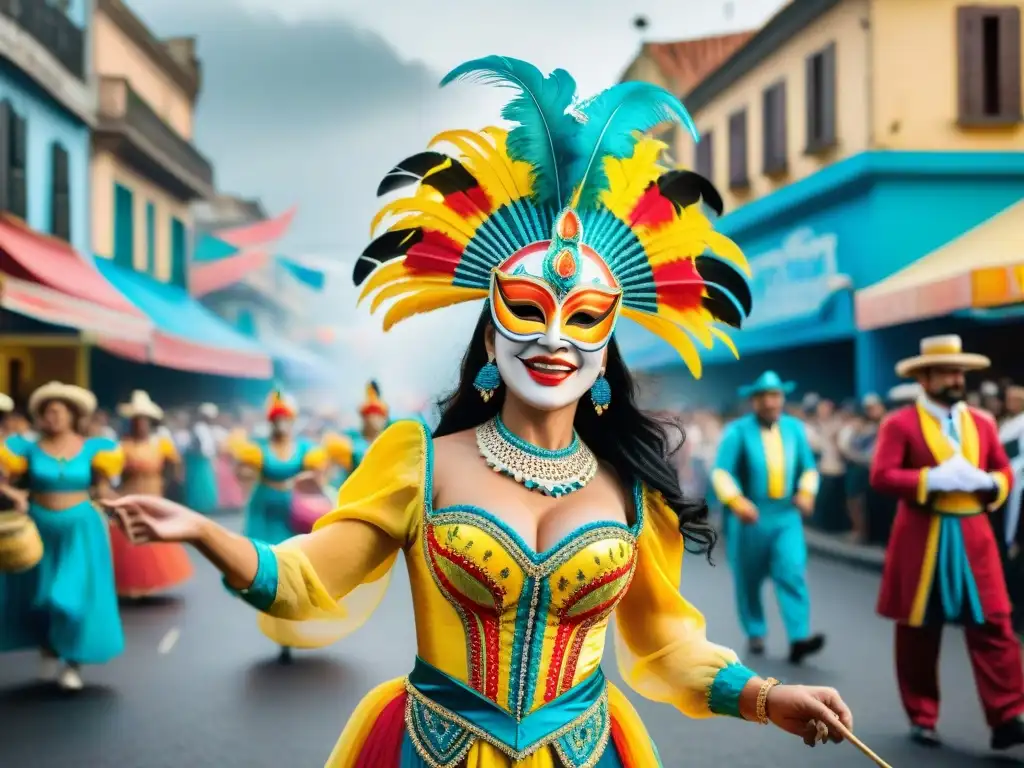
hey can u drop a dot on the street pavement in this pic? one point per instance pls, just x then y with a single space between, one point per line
199 687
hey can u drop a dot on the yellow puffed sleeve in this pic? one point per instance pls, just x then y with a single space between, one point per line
329 582
14 455
314 458
247 453
339 450
168 450
661 647
108 458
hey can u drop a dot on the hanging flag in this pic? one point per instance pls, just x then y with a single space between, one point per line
211 248
314 278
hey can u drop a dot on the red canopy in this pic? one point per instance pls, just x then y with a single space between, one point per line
45 278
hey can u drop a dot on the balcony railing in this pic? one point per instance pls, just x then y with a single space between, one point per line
52 29
126 115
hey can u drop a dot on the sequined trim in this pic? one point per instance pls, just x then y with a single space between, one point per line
579 743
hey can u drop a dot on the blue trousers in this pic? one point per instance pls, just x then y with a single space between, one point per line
772 548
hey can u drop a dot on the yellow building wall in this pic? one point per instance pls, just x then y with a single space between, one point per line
915 62
107 171
115 55
845 25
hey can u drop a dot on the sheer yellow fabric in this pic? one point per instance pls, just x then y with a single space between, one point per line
315 458
660 642
331 581
11 463
109 463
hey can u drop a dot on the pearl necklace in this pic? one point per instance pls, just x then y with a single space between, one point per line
553 473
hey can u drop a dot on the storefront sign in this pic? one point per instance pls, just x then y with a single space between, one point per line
795 279
997 286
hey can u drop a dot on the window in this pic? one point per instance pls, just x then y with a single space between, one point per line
150 239
775 155
60 194
738 177
988 42
179 253
124 227
13 156
703 154
821 99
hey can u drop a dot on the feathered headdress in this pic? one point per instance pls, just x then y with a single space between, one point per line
373 404
573 200
281 406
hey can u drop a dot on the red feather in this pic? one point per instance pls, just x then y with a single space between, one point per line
679 285
435 253
652 209
469 202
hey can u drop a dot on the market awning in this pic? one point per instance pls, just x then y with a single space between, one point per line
188 336
984 267
44 278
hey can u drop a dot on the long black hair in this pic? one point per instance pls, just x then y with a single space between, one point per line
634 443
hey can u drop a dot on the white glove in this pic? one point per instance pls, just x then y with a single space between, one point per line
958 474
976 480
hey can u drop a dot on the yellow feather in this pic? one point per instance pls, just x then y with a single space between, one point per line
428 300
410 285
429 213
390 272
726 249
693 320
671 333
723 337
628 179
488 165
521 172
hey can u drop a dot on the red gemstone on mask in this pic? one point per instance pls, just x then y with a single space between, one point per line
569 226
565 265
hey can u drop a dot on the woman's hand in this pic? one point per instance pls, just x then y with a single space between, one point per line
808 712
146 519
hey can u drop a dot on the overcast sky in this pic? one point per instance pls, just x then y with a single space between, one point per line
309 102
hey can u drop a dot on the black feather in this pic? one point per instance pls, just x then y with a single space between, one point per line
685 188
410 171
718 272
452 179
388 246
722 306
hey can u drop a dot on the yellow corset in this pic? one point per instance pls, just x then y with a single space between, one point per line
532 624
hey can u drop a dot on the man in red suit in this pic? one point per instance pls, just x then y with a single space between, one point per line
945 463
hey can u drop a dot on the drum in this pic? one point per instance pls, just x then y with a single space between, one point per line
21 547
307 508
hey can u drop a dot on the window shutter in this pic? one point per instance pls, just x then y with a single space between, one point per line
1009 63
17 188
738 177
811 105
827 107
6 115
704 155
775 139
60 200
61 180
970 73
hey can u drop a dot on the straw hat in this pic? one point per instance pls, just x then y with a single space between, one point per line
208 411
942 351
141 406
82 400
6 404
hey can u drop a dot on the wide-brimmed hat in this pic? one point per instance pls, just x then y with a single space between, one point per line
942 351
6 404
82 400
769 381
141 406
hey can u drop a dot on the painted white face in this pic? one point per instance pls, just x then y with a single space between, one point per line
547 373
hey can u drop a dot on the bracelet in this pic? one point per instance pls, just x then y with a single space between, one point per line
761 712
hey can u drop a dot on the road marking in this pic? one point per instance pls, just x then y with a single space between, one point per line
169 641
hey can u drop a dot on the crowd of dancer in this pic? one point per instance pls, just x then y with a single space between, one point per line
63 568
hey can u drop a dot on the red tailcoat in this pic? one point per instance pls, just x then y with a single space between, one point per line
909 442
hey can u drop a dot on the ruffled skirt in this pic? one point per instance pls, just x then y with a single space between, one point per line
376 737
147 569
67 604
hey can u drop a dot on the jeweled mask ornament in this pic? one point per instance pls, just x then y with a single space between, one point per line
566 222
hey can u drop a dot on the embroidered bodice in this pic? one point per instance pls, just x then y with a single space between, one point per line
49 474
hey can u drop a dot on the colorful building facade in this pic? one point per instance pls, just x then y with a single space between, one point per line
851 145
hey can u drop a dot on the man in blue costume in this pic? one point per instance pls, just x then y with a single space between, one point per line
765 476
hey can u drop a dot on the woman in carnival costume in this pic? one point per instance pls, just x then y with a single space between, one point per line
204 445
350 448
65 606
154 568
544 503
276 463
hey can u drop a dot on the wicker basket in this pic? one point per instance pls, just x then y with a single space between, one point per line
21 547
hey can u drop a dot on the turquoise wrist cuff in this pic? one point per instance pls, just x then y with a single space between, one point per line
724 697
263 590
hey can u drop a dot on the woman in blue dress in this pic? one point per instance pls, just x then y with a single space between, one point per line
200 472
275 464
349 449
65 606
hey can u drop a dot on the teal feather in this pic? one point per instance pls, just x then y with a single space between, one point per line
544 135
613 117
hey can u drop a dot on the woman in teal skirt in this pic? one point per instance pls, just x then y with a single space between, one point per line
65 606
275 463
200 470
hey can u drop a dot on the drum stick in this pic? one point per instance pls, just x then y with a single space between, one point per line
868 752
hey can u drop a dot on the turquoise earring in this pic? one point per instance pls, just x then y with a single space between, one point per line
487 380
601 394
